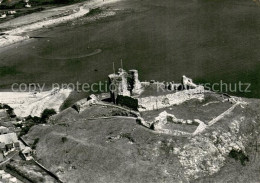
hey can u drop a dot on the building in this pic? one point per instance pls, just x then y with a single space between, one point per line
126 90
124 84
26 153
8 142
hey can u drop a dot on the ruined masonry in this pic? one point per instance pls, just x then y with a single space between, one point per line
125 84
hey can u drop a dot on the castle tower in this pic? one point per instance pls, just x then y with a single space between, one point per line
135 84
124 83
118 84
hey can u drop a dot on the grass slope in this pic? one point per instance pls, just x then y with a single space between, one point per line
120 150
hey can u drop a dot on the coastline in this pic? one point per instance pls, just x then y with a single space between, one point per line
19 34
28 103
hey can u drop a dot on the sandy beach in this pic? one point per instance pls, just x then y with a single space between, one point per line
16 30
28 103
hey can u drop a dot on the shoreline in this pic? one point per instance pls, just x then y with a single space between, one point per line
19 34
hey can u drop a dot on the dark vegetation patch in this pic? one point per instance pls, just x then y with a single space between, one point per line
46 114
35 142
127 136
239 155
9 110
76 108
31 121
64 139
94 11
34 119
25 128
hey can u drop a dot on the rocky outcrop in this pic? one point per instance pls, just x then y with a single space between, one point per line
202 126
108 144
206 154
165 118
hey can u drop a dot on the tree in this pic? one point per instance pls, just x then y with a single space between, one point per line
46 114
9 110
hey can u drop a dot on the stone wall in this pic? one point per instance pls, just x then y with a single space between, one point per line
158 102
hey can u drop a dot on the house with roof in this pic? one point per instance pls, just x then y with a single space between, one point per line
26 153
8 142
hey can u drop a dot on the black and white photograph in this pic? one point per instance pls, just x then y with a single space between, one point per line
129 91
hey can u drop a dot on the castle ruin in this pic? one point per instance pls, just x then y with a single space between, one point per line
126 89
124 83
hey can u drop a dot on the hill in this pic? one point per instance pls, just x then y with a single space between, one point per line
86 147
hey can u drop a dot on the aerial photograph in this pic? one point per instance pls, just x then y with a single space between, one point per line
129 91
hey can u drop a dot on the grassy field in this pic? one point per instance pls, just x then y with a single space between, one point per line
206 40
193 109
106 150
120 150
